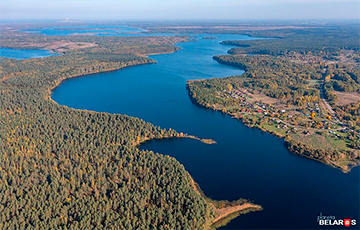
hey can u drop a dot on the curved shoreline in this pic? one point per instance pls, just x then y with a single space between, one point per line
230 211
222 213
225 213
150 61
50 90
287 142
177 136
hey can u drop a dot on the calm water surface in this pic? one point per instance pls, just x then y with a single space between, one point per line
101 30
24 54
245 163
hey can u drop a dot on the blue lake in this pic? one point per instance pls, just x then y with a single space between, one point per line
24 54
105 30
245 162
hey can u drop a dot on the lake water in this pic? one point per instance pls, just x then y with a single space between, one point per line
245 162
24 54
100 30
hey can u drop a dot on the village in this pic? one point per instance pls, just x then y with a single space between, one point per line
281 119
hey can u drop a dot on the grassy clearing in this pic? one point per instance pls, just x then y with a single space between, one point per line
273 129
313 82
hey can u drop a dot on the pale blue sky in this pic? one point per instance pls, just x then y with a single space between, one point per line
179 9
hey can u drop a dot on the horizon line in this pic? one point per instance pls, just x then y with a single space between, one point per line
63 20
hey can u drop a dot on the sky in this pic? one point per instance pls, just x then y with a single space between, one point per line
178 9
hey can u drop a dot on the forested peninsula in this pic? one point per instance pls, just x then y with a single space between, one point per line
63 168
299 84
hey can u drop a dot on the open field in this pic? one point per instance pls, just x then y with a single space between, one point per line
346 98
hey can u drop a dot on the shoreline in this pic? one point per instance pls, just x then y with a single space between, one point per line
50 90
46 95
57 84
230 211
222 213
344 169
177 136
151 61
237 209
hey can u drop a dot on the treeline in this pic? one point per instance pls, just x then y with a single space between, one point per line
49 71
204 92
350 114
104 44
62 168
275 29
321 41
342 77
323 155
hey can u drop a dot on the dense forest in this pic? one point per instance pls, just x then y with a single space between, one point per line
322 41
80 43
287 81
62 168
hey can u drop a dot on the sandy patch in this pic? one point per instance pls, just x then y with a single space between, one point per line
60 46
346 98
260 97
224 212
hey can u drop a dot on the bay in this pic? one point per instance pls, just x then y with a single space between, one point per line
24 53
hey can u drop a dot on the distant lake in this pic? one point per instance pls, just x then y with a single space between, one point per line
245 162
100 30
24 53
